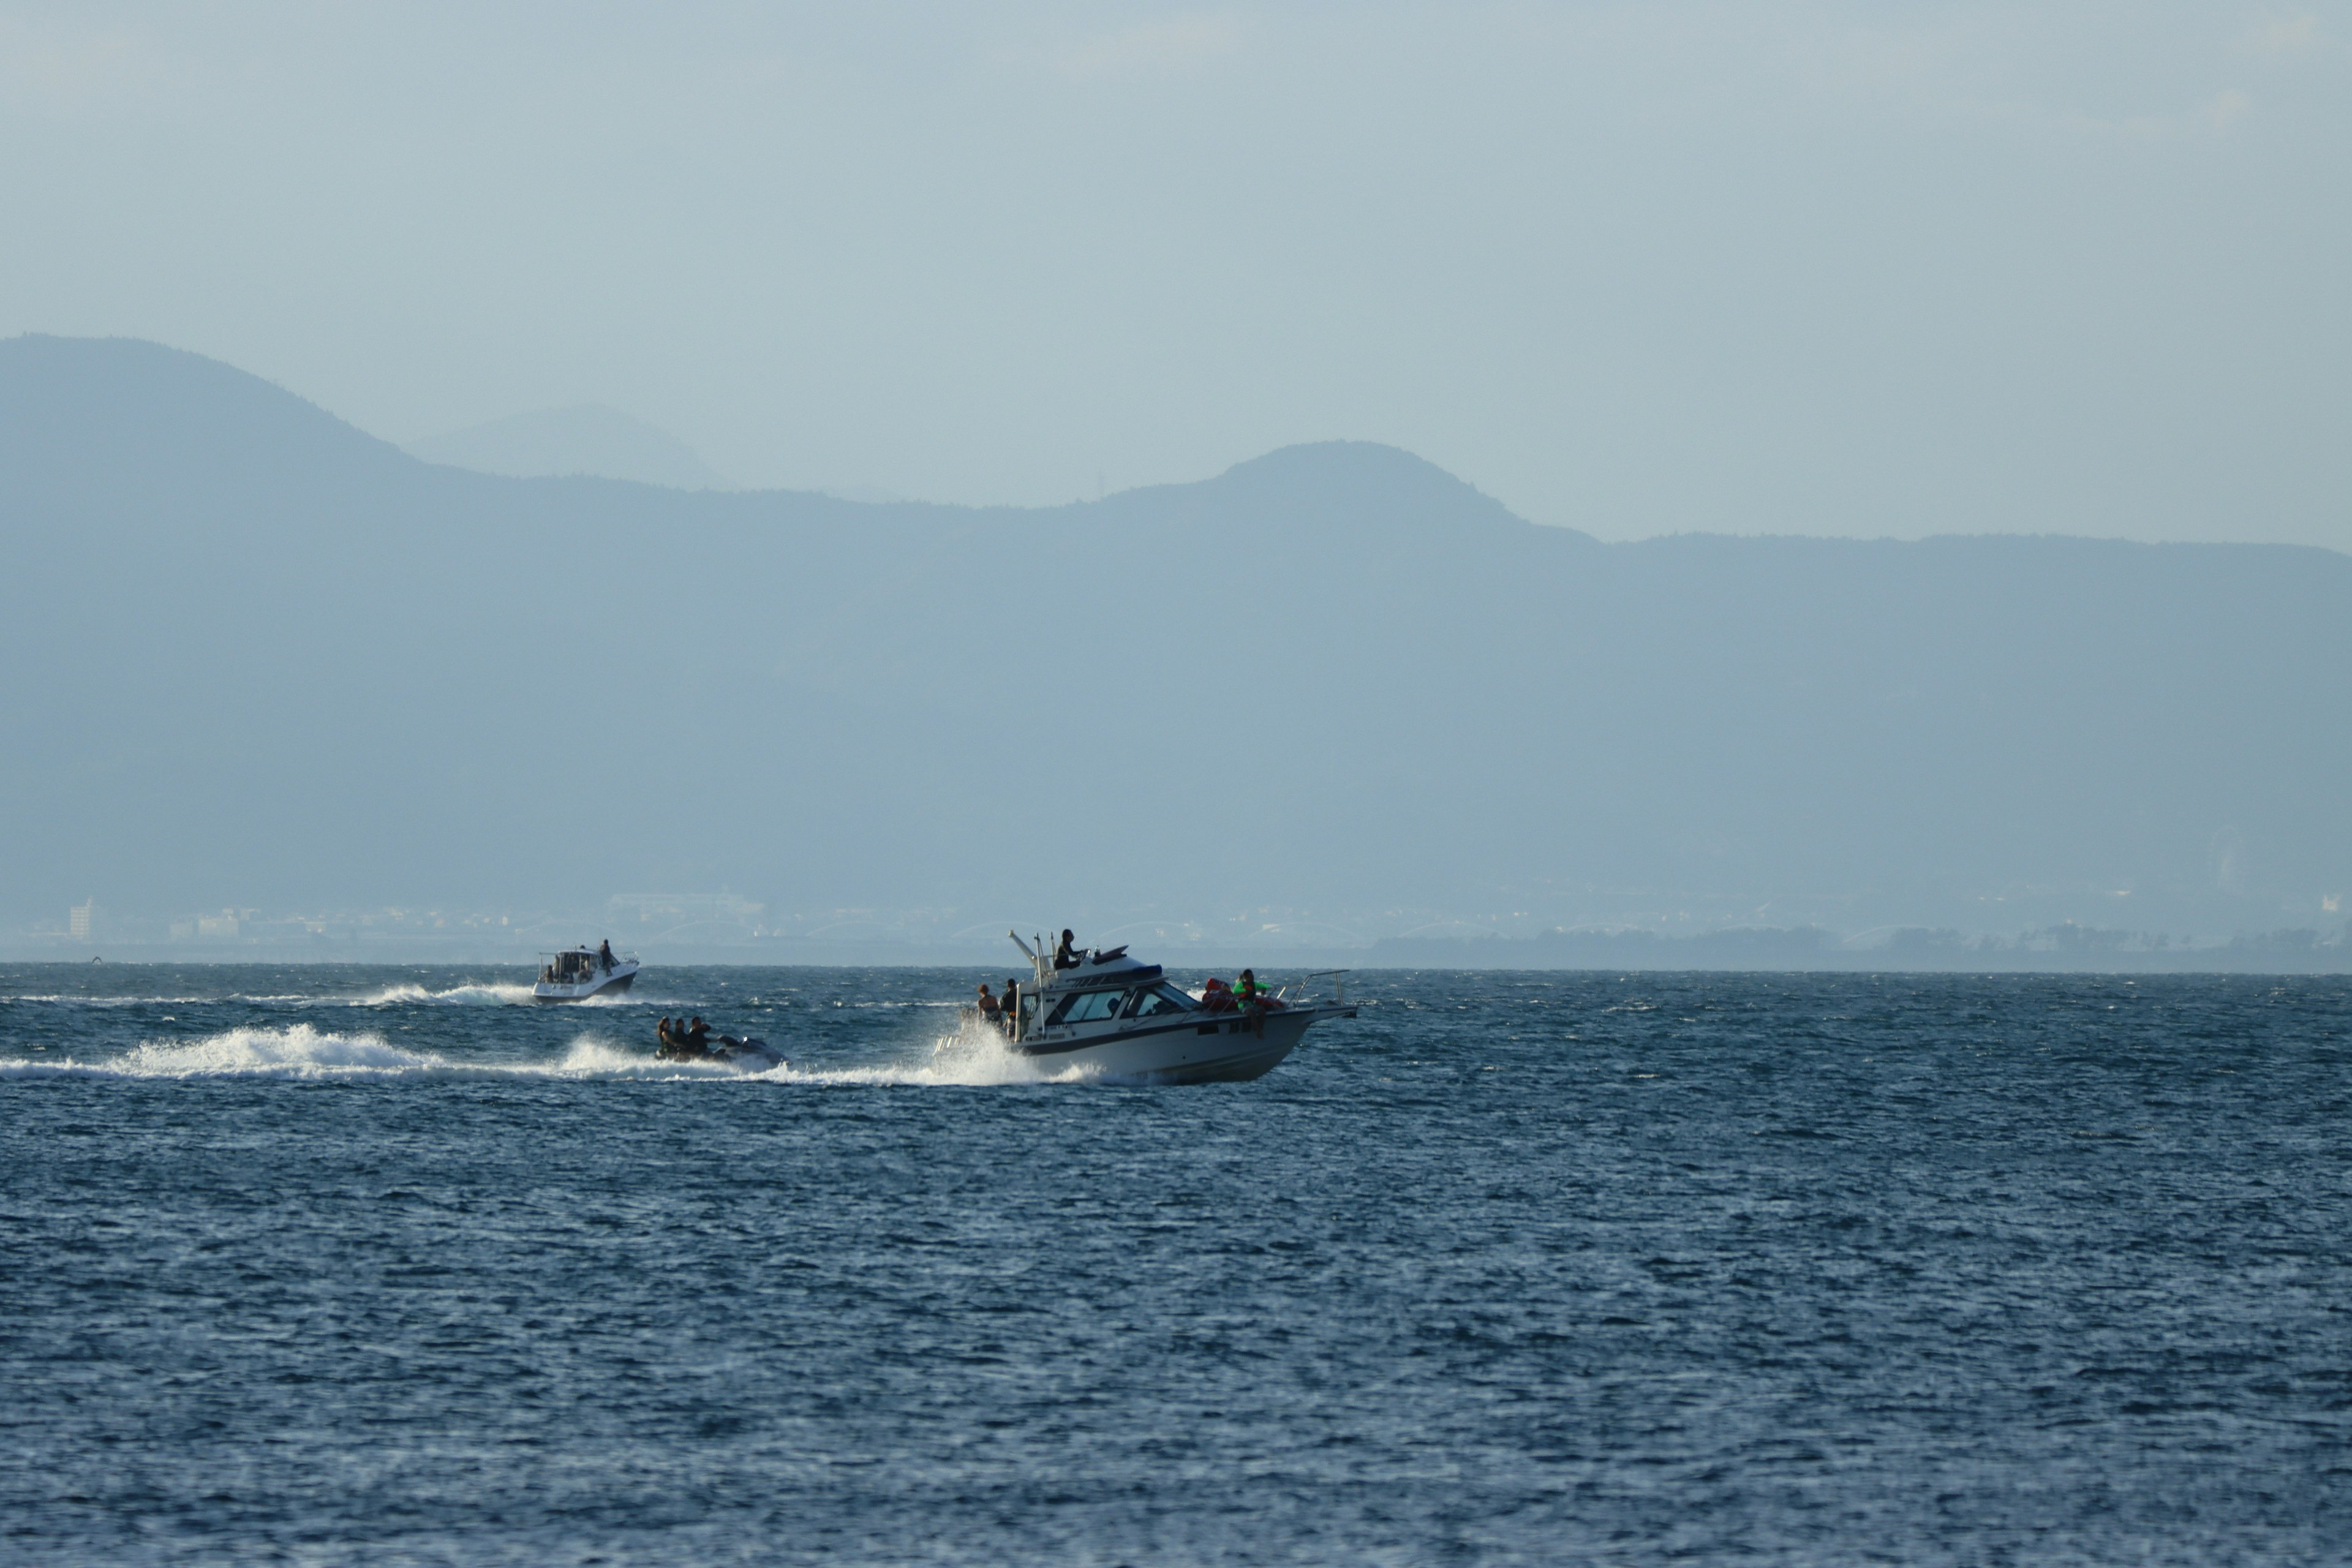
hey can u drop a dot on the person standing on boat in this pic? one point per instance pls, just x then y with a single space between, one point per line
991 1012
605 954
1066 956
1012 1018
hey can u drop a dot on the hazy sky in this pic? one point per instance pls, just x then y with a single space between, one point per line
1799 267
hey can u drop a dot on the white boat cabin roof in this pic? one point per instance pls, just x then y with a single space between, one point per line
1101 971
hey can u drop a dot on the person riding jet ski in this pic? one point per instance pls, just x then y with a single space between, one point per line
684 1042
692 1043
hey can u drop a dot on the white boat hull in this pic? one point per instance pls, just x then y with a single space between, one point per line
601 983
1225 1049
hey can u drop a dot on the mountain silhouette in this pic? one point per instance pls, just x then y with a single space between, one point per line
585 439
259 657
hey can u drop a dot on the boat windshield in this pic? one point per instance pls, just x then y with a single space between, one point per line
1153 1000
1094 1006
1087 1007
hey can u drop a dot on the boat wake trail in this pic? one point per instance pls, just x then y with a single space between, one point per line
62 1000
301 1052
492 994
297 1051
971 1056
489 993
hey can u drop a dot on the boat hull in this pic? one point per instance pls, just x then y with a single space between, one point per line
1225 1049
611 985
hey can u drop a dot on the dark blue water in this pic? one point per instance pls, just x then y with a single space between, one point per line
332 1266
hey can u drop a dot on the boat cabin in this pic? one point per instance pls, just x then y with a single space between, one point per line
1108 1005
568 968
1102 989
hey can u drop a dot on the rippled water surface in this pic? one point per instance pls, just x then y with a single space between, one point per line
328 1265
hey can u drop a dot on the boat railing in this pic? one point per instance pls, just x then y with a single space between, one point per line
1305 988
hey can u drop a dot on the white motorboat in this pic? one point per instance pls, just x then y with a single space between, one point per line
580 973
1124 1018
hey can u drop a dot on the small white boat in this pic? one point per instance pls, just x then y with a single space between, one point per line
580 973
1124 1018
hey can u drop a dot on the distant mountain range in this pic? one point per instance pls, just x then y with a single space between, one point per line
258 657
588 439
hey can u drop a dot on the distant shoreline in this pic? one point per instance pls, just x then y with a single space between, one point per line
2234 962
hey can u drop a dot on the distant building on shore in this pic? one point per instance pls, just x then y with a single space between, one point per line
206 928
708 913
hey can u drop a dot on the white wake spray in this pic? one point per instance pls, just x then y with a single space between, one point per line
301 1052
297 1051
487 994
496 993
972 1055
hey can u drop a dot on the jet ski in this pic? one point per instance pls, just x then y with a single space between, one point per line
742 1053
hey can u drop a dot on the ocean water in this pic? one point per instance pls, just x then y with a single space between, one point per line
335 1266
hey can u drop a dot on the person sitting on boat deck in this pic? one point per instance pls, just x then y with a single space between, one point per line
991 1011
604 955
1253 999
1250 994
1066 956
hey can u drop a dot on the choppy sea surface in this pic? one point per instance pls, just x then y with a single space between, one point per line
325 1265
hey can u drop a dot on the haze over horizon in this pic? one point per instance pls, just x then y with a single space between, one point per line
266 659
1681 468
1635 270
